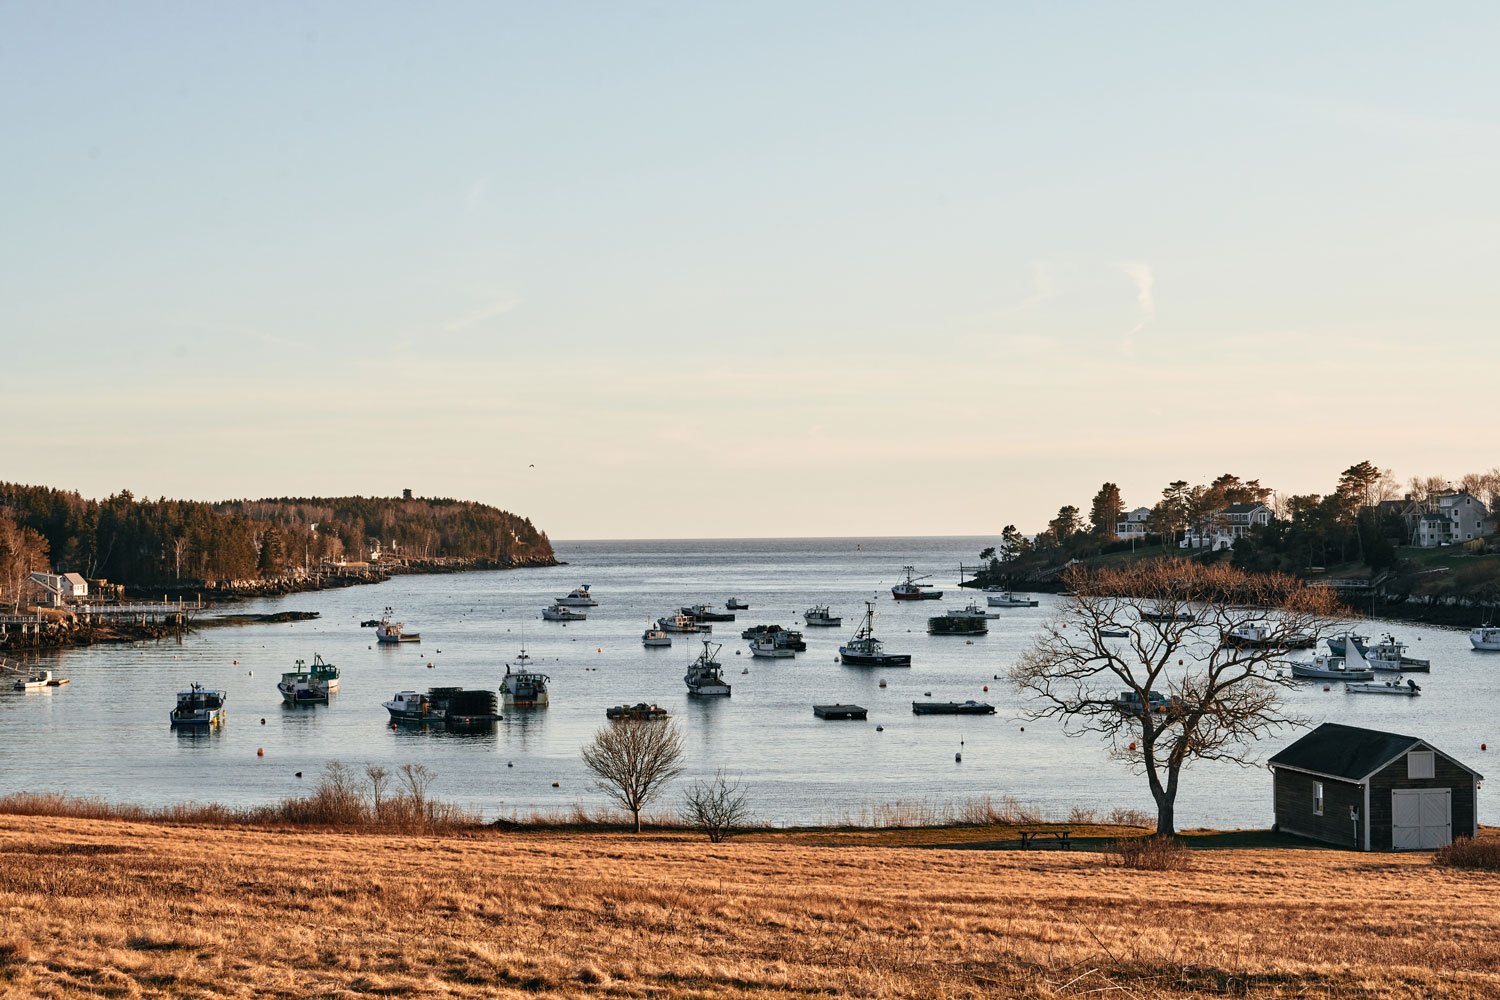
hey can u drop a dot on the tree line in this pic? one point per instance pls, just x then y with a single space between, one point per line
143 542
1348 523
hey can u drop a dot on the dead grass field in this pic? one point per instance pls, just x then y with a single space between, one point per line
103 908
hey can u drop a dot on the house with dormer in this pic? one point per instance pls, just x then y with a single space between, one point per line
1226 526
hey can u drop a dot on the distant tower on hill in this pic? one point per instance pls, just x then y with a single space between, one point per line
406 494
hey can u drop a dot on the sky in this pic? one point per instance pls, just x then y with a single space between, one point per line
746 269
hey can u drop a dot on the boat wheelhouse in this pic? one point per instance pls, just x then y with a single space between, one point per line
309 685
1338 645
1485 638
655 635
389 632
1388 654
563 613
819 616
766 646
198 707
864 650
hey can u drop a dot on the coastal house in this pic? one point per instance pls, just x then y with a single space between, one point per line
1132 524
1227 525
1373 791
58 589
1452 519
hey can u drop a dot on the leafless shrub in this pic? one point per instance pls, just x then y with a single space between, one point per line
1466 852
1154 854
717 808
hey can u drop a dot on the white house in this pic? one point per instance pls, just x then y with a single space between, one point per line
1132 524
1227 525
1454 519
60 587
74 586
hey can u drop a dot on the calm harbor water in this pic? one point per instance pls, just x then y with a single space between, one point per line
106 733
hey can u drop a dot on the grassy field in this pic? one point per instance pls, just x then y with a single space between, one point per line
103 908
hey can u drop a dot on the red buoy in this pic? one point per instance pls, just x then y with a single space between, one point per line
1132 744
260 751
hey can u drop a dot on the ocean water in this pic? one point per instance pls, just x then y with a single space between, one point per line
106 733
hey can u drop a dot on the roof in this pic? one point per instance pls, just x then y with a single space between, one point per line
1349 753
75 578
1243 508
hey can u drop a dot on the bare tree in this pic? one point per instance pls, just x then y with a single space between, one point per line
417 778
718 808
1195 679
633 760
378 777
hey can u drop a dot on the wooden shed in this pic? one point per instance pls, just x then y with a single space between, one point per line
1373 791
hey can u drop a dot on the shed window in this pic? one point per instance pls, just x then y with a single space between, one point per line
1420 764
1317 798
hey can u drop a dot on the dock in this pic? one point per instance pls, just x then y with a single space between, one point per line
840 711
952 708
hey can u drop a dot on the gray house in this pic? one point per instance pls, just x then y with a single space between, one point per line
1373 791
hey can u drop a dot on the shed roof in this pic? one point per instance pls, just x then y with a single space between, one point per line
1349 753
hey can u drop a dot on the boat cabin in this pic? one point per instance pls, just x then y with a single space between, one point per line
1373 791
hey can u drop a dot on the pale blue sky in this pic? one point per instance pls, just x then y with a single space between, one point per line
746 269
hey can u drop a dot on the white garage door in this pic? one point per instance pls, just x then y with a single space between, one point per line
1421 818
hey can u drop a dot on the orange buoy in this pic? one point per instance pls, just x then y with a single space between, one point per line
1132 744
260 751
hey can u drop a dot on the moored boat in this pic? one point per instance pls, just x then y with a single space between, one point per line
198 708
997 598
640 710
1330 668
951 624
523 687
1389 654
563 613
818 616
735 604
864 650
388 632
705 676
970 707
655 636
309 685
455 709
1409 689
766 646
682 624
1486 638
971 610
1265 637
1338 645
910 590
704 613
37 680
578 597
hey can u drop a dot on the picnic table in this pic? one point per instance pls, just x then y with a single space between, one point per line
1063 838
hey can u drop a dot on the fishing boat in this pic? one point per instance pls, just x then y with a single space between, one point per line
681 623
198 708
766 646
997 598
705 676
951 624
563 613
910 590
818 616
1156 703
864 650
37 680
455 709
970 707
755 631
309 685
389 633
640 710
735 604
655 636
1486 637
971 610
1338 645
704 613
1409 689
1330 668
1265 637
1388 654
578 597
523 687
1162 614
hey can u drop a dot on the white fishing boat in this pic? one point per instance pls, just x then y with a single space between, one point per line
864 650
1406 689
522 686
1388 654
819 616
309 685
655 636
996 598
389 632
412 706
1330 668
1486 638
198 708
972 611
767 646
562 613
910 590
684 624
735 604
578 597
705 676
37 680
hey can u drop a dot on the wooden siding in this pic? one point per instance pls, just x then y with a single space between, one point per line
1294 808
1446 774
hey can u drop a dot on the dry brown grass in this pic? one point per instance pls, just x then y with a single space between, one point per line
1466 852
104 908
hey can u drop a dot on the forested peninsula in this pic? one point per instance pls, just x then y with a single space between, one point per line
285 543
